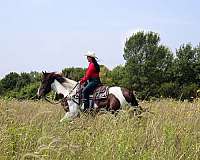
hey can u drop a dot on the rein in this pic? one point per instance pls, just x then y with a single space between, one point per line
74 87
52 101
65 98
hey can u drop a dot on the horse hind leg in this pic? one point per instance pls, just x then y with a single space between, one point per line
130 97
113 103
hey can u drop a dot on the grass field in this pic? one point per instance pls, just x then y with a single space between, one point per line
31 130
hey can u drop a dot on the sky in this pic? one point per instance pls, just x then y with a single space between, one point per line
50 35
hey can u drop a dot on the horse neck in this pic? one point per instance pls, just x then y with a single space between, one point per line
59 88
69 84
65 88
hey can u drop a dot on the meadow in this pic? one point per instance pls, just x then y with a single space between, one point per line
31 130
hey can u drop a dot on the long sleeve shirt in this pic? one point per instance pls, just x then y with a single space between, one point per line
91 72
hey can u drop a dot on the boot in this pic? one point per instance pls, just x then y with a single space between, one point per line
85 105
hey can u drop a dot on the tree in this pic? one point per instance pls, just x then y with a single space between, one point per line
197 65
147 63
73 73
9 82
186 70
28 91
185 64
105 75
23 80
119 76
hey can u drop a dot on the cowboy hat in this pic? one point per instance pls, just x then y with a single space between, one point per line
90 54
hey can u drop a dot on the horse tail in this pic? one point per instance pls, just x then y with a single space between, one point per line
130 97
133 99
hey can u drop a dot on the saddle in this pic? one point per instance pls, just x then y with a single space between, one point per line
101 92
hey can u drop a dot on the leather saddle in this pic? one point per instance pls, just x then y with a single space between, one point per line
101 92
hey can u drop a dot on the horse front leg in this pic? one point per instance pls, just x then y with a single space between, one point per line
72 111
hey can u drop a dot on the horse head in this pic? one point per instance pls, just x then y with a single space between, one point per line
62 86
46 82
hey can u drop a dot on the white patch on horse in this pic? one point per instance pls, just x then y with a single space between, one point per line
73 107
95 106
59 88
69 84
118 94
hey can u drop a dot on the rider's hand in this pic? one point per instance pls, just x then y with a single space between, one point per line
81 81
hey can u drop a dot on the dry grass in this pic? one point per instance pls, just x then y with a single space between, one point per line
31 130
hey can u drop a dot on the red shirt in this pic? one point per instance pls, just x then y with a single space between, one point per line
91 72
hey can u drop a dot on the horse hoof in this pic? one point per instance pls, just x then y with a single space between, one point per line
70 116
65 120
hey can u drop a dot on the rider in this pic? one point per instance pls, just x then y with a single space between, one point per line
91 76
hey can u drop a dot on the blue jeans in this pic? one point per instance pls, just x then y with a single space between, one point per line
88 89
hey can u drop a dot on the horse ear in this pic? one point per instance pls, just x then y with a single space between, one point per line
44 72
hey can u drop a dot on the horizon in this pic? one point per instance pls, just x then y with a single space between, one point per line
39 35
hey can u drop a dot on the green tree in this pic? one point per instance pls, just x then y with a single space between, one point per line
23 80
73 73
197 65
147 63
186 70
105 75
185 64
28 91
9 82
1 89
119 76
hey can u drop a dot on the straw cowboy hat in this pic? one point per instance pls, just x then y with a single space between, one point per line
91 54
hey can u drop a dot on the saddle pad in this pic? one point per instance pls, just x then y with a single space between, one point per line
100 93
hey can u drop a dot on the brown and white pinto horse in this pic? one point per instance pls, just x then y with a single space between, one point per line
116 97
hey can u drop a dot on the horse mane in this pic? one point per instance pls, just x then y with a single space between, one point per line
66 82
61 78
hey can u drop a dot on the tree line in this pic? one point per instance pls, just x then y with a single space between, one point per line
151 69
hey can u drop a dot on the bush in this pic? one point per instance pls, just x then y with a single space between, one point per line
28 91
189 91
168 90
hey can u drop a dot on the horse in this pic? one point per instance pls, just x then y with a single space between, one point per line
115 98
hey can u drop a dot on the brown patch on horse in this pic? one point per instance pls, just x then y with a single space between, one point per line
129 97
52 76
111 103
114 103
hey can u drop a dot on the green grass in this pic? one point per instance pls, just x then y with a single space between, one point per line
31 130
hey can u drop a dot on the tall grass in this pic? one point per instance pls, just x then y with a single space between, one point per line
31 130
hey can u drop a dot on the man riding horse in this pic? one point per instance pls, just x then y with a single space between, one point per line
91 78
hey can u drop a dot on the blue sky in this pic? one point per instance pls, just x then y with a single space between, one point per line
39 35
